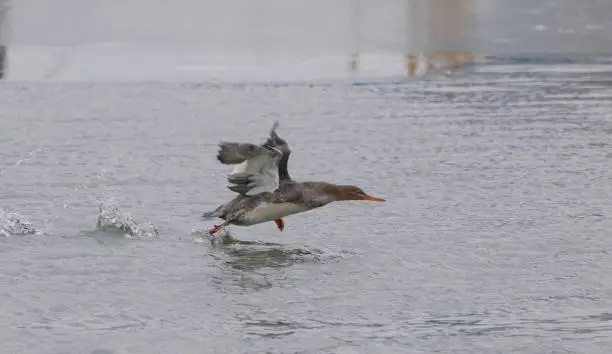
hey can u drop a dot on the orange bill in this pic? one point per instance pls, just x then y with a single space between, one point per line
373 199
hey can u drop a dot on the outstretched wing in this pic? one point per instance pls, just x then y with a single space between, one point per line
276 141
235 153
280 144
258 174
258 168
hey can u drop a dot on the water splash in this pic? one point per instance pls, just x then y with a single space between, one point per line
14 224
110 218
30 155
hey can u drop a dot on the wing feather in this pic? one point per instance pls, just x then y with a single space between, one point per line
257 168
260 174
235 153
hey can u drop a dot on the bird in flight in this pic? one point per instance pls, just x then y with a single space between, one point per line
265 189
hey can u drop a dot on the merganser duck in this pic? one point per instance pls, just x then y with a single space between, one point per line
265 189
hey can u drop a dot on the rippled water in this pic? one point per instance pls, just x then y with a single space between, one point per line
495 236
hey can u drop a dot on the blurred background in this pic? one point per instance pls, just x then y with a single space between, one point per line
273 39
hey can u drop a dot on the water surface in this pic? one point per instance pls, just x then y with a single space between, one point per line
495 236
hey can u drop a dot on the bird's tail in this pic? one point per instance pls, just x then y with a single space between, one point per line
217 213
210 215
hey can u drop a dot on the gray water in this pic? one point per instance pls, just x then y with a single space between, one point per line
495 237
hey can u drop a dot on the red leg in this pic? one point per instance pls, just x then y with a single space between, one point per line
216 229
280 224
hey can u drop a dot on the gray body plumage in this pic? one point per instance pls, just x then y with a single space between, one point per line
310 195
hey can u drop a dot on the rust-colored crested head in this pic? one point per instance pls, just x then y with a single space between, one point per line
353 193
